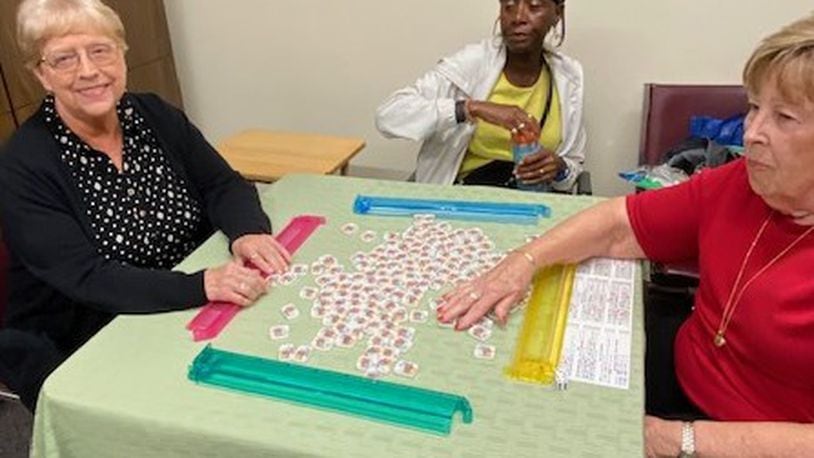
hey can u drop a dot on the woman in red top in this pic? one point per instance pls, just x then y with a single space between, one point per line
745 356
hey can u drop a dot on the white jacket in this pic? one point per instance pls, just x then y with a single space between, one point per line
425 111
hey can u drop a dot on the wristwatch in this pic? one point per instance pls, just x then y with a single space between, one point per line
562 174
461 115
687 440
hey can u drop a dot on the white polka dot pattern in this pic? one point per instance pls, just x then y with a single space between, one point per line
144 215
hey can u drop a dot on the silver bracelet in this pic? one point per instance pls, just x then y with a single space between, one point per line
687 440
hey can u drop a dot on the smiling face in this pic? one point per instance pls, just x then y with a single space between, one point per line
779 144
88 91
525 23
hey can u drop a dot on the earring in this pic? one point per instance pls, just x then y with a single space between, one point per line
497 35
554 35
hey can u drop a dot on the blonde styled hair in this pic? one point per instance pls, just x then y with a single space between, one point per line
40 20
788 56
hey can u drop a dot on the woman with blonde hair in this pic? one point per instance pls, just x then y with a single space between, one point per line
466 108
102 192
744 359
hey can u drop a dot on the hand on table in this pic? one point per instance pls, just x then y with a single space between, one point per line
234 283
540 167
500 288
263 251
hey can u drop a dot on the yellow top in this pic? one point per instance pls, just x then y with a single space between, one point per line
491 142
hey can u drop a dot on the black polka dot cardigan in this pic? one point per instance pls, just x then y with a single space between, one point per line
88 243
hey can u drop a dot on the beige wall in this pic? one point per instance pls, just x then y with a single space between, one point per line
324 65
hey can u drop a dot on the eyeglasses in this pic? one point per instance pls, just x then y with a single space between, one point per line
101 54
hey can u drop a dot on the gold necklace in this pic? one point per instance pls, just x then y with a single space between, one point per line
734 299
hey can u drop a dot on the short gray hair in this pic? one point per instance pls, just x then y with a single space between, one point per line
40 20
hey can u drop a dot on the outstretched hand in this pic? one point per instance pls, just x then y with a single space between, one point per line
499 289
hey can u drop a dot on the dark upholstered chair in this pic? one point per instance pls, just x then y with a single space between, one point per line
670 290
666 122
668 108
4 265
5 393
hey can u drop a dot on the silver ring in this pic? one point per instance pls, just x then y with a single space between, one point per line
522 125
474 295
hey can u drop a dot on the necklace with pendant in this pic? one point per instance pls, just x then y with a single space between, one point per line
735 295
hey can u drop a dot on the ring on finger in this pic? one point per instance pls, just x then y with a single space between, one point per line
254 256
521 125
474 295
241 287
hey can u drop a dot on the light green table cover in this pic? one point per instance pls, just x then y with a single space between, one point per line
126 394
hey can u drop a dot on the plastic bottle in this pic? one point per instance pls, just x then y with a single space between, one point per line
525 142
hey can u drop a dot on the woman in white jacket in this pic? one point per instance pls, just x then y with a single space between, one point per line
465 108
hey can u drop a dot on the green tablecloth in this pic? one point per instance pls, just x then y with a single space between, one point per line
125 393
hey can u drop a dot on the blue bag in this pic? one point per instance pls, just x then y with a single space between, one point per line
727 132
